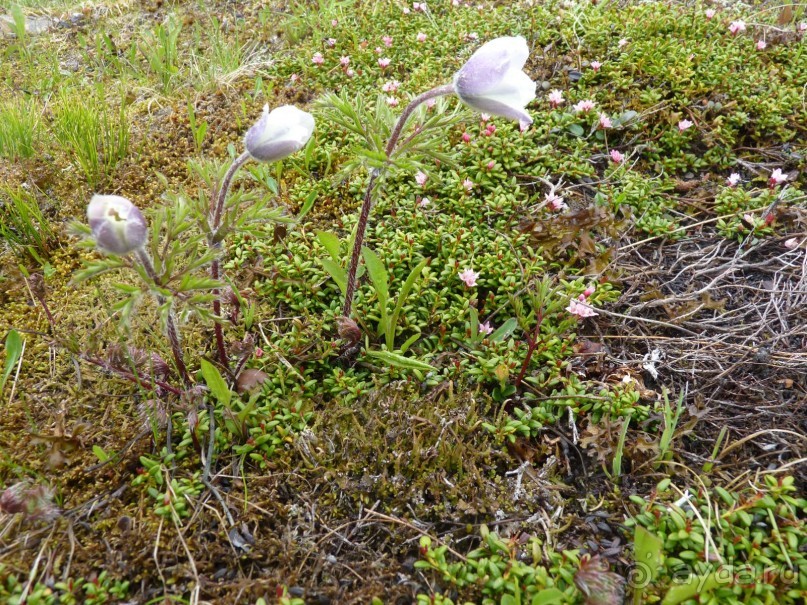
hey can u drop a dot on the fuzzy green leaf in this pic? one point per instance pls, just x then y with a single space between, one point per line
216 383
399 361
379 277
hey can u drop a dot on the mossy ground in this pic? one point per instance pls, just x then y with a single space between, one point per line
342 464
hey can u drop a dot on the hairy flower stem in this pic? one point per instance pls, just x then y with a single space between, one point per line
171 326
214 273
216 213
364 214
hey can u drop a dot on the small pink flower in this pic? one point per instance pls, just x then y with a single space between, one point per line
490 130
390 86
387 40
595 65
555 98
555 201
710 12
294 77
430 103
406 10
345 61
777 178
331 42
384 63
485 116
392 101
792 243
422 7
733 179
584 106
485 328
466 138
317 59
334 22
761 45
735 27
350 73
472 36
683 125
258 352
617 157
622 43
468 184
416 6
749 218
605 121
378 50
469 276
803 27
455 2
422 37
421 178
424 202
491 165
580 309
589 291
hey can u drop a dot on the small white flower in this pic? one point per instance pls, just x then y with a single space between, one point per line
279 133
493 80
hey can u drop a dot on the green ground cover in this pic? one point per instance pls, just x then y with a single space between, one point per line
473 439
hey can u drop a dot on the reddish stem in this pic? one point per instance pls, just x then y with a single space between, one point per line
532 344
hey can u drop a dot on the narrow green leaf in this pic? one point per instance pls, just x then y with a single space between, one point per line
576 130
330 242
696 585
307 205
647 553
13 352
397 360
379 277
504 330
100 453
402 296
337 273
216 383
409 342
550 596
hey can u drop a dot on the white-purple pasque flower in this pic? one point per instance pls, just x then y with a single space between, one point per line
279 133
118 226
492 80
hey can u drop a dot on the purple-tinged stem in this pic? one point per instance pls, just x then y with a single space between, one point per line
220 196
440 91
173 334
216 213
355 256
364 214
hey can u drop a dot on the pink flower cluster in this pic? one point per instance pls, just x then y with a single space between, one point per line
578 306
555 98
777 178
469 276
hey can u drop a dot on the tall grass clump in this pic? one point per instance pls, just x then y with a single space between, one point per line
19 120
159 47
22 226
94 135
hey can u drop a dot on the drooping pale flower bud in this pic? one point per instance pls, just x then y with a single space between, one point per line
279 133
492 80
117 224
